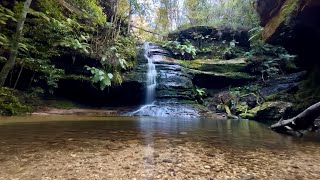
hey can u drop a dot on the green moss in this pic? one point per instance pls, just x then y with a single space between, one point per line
288 8
216 65
230 75
246 116
250 114
76 77
241 108
283 17
13 102
237 75
281 95
259 107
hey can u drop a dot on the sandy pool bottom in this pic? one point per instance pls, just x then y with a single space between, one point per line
160 159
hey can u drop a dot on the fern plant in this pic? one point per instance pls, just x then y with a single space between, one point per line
200 93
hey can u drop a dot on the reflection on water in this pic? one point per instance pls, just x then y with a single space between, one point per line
218 133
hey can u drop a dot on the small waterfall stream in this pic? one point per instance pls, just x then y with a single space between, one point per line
151 76
166 87
151 80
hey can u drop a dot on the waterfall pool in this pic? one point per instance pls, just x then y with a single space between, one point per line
82 147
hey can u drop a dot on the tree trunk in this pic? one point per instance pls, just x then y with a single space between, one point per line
15 44
303 121
20 72
130 16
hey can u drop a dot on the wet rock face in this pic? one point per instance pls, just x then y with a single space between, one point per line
169 108
173 81
288 82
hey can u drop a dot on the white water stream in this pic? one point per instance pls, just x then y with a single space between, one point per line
151 76
151 80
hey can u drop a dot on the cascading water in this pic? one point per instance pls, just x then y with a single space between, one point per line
151 76
151 80
172 80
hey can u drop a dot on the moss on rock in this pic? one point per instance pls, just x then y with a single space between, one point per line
268 111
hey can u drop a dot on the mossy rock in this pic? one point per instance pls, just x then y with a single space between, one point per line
216 65
268 111
241 108
227 75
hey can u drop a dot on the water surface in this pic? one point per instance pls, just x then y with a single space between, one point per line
145 147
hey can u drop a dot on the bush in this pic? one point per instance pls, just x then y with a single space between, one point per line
184 51
270 61
12 102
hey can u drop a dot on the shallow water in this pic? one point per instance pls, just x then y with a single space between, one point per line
151 148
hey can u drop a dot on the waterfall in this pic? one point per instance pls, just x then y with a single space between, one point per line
151 75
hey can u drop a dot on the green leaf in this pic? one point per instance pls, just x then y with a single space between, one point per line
110 75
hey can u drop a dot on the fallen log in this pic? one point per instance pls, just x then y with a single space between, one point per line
303 121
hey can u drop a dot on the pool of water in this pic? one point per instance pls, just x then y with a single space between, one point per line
62 147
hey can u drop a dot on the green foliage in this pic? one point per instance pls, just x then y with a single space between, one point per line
112 57
118 55
270 61
100 76
126 47
5 15
256 35
231 51
225 13
200 93
91 10
4 41
249 90
184 51
74 27
11 102
80 44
